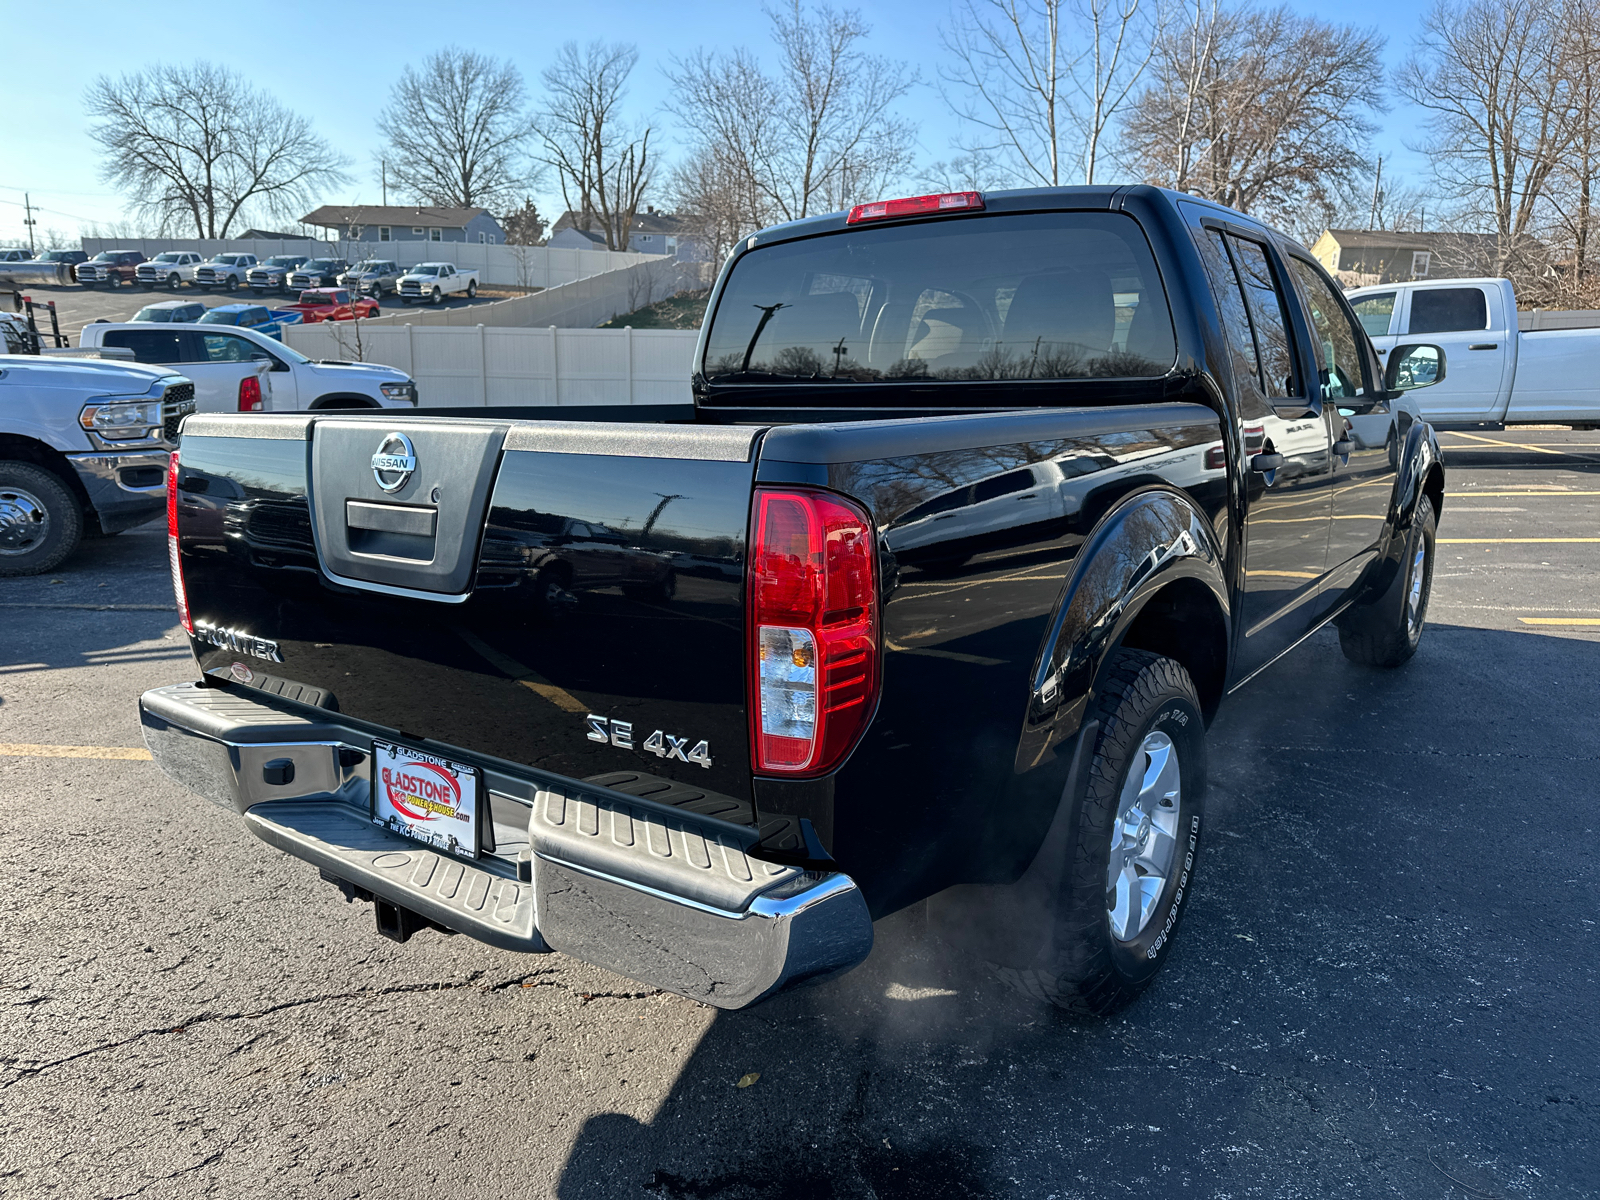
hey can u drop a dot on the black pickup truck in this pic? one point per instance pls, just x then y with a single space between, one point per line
983 506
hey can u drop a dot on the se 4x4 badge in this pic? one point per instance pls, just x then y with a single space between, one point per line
662 745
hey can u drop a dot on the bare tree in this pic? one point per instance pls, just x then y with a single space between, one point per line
195 147
1259 109
1497 95
456 131
1570 189
812 136
1017 78
603 160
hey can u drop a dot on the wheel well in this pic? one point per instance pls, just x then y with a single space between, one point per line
22 449
1433 489
1183 621
337 401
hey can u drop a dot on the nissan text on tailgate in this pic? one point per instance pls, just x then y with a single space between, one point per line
983 505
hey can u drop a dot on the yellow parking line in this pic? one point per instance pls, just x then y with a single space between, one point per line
1560 620
1508 541
1495 442
1469 495
23 750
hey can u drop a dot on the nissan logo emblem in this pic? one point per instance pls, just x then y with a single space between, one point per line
394 463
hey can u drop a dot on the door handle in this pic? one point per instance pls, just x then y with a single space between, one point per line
1485 346
1343 446
1380 351
1266 462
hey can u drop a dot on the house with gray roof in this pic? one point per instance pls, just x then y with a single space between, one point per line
652 233
376 223
1363 257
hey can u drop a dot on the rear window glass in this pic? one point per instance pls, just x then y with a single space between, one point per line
1030 296
148 345
1445 310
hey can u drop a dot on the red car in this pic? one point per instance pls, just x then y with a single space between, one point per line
332 304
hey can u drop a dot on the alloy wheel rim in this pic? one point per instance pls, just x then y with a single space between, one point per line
1144 839
24 521
1414 596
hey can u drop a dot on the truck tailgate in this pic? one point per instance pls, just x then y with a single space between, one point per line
550 594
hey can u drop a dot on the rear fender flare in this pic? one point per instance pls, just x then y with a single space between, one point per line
1152 539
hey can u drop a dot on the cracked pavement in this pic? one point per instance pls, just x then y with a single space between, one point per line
1385 985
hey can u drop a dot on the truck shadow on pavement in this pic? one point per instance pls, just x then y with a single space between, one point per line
1366 995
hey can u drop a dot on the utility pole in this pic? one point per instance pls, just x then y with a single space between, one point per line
1372 221
27 206
385 163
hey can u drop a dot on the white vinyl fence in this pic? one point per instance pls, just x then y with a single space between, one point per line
497 266
488 365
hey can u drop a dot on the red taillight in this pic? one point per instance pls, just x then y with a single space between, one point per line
912 206
250 394
813 620
178 592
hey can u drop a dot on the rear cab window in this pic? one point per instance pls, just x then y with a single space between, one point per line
1448 310
1051 295
148 345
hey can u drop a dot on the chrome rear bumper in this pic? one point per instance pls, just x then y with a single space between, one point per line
669 898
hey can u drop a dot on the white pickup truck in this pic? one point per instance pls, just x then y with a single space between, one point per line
220 359
432 282
169 269
224 270
1494 373
84 449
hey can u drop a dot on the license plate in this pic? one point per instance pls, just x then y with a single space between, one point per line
426 797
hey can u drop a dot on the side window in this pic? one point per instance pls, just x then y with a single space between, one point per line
1448 310
148 345
224 347
1235 320
1340 355
1375 313
1266 316
1002 485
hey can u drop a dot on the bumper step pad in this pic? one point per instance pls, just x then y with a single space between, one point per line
452 891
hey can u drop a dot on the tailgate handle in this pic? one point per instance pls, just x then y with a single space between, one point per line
390 518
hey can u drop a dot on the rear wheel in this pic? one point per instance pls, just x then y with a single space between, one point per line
1130 852
1385 632
472 289
40 521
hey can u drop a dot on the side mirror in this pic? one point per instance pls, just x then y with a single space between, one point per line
1413 366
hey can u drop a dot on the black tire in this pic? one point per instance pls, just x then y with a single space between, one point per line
472 289
436 297
232 284
173 282
405 301
40 521
1083 966
113 282
1385 631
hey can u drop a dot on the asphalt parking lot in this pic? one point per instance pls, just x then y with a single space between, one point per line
78 306
1384 986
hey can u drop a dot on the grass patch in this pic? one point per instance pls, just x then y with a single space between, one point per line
684 311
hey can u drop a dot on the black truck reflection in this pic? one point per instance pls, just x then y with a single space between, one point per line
555 559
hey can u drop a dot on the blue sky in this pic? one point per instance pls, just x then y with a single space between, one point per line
335 62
